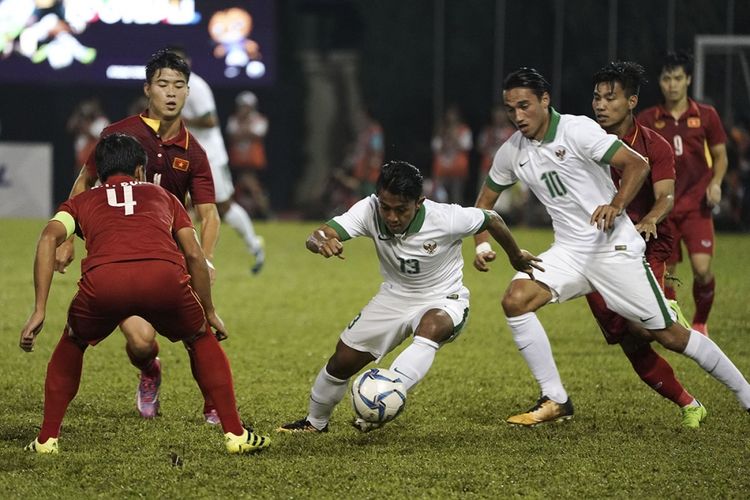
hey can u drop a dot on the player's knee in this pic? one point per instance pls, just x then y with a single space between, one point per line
514 304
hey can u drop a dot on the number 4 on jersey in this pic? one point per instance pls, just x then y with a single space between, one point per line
128 202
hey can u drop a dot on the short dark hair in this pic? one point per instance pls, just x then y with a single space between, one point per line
118 154
400 178
165 58
630 75
528 78
679 59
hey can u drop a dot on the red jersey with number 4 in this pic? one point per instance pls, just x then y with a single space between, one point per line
179 165
691 135
127 220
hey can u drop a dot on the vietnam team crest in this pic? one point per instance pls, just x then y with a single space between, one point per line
659 124
693 122
180 164
430 247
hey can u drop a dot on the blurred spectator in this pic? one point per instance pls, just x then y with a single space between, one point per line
359 172
246 132
737 180
512 206
450 147
138 105
491 138
85 124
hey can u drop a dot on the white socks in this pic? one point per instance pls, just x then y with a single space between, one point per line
414 362
534 346
707 354
326 393
238 219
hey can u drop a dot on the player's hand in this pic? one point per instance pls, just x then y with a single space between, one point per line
647 229
713 194
328 247
526 262
30 330
604 217
220 331
482 259
211 272
64 255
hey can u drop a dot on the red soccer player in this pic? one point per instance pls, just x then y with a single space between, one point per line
133 267
699 141
616 89
179 164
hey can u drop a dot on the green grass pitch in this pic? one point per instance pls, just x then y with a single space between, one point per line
451 442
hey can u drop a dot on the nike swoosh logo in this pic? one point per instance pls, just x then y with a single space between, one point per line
523 163
402 373
647 319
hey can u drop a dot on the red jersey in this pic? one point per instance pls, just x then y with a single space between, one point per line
127 220
691 135
660 158
179 165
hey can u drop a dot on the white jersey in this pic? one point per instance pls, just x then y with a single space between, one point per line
568 171
200 101
426 260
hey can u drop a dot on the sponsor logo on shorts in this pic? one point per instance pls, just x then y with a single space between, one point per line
706 243
180 164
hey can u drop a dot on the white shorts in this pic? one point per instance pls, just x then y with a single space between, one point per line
623 278
223 186
388 319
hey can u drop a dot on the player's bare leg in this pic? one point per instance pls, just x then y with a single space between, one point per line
142 350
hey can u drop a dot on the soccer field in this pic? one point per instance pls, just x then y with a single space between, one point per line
451 441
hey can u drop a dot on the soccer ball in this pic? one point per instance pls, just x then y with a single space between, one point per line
378 395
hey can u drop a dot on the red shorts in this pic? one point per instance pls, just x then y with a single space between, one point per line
696 229
156 290
612 325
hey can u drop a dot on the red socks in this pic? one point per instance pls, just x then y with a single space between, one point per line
658 374
61 385
211 371
704 299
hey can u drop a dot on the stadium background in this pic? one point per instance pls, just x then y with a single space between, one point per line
407 61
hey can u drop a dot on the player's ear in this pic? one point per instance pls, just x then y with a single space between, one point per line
632 102
146 90
140 173
420 201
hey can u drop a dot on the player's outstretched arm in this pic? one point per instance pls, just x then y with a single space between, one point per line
65 253
53 235
325 241
200 280
663 203
484 253
210 224
521 260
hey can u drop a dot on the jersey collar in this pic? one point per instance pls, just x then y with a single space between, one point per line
414 226
692 110
181 139
554 120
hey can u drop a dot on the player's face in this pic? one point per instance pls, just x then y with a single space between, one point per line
166 94
396 211
611 106
674 84
529 113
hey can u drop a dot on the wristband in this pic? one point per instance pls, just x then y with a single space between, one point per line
483 247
